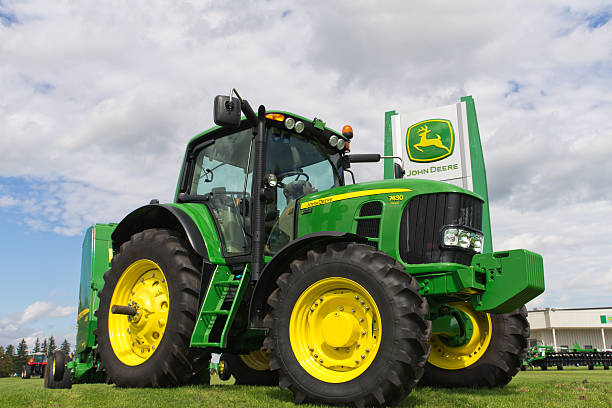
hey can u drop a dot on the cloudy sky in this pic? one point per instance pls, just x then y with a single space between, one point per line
97 103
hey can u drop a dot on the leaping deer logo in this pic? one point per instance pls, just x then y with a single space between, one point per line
425 142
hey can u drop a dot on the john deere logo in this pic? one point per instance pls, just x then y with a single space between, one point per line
430 140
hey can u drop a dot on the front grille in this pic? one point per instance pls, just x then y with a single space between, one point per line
368 227
371 208
422 222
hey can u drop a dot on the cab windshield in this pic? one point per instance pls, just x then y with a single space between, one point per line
300 163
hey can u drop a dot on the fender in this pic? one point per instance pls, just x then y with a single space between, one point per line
159 216
280 263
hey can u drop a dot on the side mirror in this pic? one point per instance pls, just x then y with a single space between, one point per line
227 111
364 158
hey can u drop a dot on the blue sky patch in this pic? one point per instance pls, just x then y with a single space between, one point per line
7 17
599 19
514 87
41 87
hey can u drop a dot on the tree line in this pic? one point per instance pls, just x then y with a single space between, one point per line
12 359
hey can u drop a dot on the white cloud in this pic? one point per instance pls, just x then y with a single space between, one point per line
41 309
38 319
6 201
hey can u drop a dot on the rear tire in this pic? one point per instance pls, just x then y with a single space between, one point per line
158 271
257 374
385 357
501 360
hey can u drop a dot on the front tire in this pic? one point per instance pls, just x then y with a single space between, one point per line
158 273
347 326
59 365
49 374
492 362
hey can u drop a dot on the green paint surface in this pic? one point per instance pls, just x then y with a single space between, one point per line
479 173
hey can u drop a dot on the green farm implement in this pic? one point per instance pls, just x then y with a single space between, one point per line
547 356
344 293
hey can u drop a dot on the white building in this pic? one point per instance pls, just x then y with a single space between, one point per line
589 327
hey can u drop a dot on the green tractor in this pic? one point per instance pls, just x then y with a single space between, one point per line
343 293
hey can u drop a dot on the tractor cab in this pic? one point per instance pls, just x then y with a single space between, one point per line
37 358
301 157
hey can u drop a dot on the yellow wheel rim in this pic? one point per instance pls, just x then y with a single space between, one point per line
257 360
455 358
335 330
134 339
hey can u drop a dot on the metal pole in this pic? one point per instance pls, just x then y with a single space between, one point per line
554 339
603 337
259 168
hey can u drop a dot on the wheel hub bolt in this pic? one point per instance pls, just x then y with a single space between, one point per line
321 360
353 310
311 309
367 308
367 350
356 361
316 304
361 320
341 308
362 333
362 302
142 280
347 350
316 356
321 299
335 348
142 350
362 356
356 297
358 344
311 349
152 275
163 280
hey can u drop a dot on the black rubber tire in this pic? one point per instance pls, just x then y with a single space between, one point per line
544 368
173 363
49 380
60 365
225 373
245 375
403 349
500 362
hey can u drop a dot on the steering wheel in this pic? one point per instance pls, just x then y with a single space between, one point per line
297 173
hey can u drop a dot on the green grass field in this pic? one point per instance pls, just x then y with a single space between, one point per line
568 388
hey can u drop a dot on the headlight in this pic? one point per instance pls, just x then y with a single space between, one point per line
299 127
289 123
333 140
451 237
462 238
